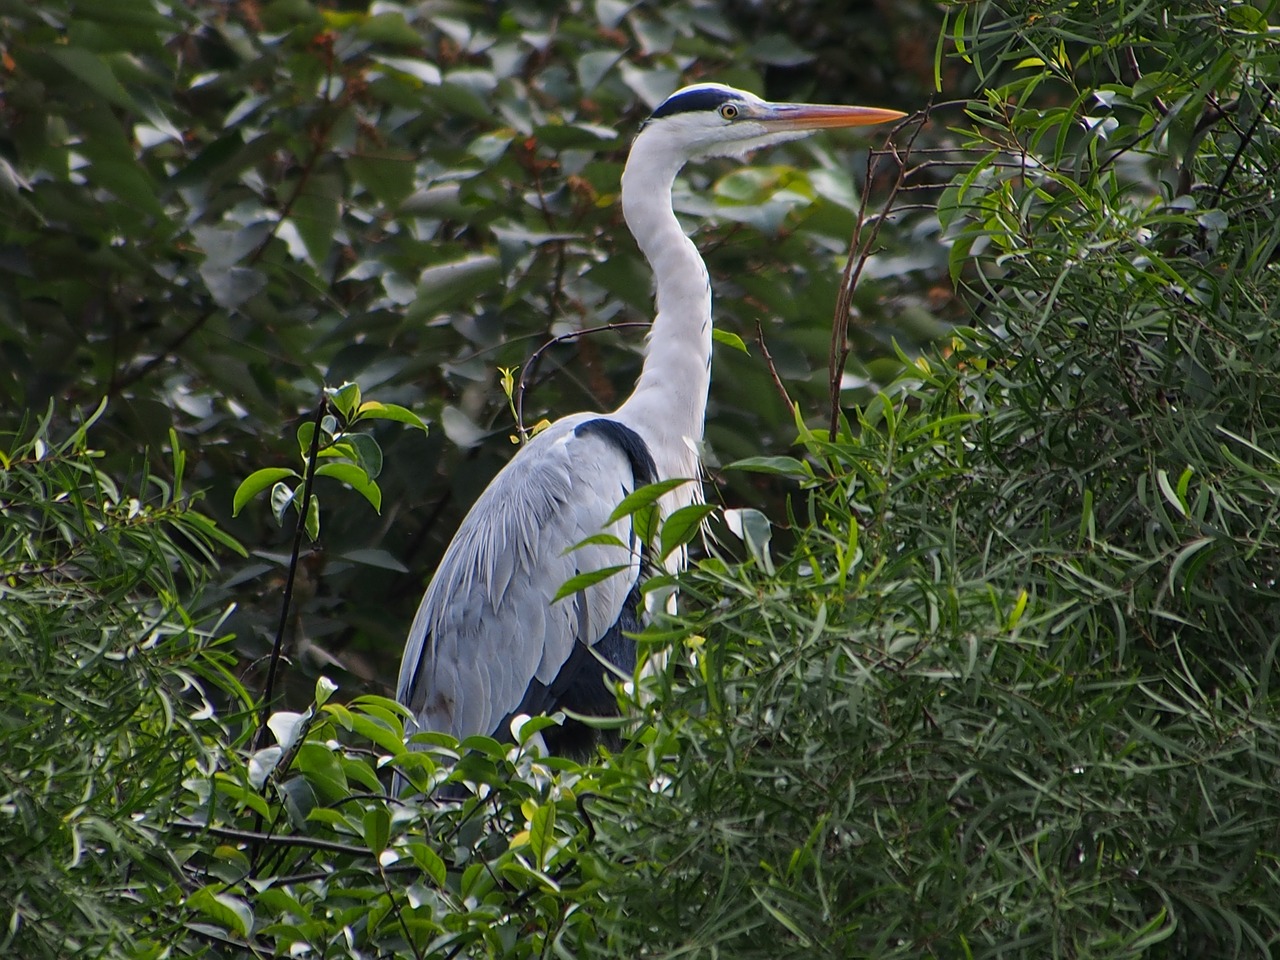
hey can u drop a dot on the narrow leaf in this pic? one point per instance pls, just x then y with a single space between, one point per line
584 580
643 498
600 539
781 466
682 526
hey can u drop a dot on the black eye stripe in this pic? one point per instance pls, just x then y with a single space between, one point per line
694 100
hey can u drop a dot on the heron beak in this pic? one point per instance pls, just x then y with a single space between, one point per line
819 116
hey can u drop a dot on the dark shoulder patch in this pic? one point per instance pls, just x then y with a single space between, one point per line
705 99
629 442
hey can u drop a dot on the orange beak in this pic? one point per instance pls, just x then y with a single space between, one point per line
819 116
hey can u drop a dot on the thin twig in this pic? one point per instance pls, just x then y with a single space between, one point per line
860 253
268 693
273 839
526 371
773 371
1244 145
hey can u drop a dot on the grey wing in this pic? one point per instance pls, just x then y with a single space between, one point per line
486 627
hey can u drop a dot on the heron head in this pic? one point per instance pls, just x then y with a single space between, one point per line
712 120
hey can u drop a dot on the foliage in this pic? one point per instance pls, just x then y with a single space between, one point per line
996 680
299 851
350 456
1012 693
107 678
220 208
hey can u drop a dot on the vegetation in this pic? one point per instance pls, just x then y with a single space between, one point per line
980 666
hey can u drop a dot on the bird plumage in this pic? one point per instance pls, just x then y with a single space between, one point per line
487 641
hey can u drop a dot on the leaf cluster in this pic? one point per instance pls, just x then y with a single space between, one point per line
108 686
217 209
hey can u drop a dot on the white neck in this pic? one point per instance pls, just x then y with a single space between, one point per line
669 403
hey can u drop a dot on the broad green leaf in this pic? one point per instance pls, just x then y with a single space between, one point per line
323 771
542 834
314 214
373 410
377 828
729 339
682 526
428 862
447 285
368 454
230 913
356 478
345 398
93 71
255 483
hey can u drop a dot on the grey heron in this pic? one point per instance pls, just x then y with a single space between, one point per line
487 642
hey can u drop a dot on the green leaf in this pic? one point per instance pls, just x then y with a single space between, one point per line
346 399
599 539
584 580
373 410
255 483
313 518
429 862
374 557
211 531
682 526
306 434
231 286
321 767
779 466
452 284
325 688
644 497
542 834
354 477
368 454
93 71
315 215
281 496
377 828
377 731
228 912
729 339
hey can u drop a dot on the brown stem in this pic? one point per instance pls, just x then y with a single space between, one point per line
526 371
773 371
859 254
268 693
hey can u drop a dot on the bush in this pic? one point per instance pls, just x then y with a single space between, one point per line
107 687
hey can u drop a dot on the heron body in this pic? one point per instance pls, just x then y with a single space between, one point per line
488 642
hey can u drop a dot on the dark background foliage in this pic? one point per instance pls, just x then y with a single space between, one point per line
217 208
991 673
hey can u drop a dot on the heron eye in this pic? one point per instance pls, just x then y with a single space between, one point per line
729 111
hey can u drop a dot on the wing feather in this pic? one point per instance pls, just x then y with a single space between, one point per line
486 628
